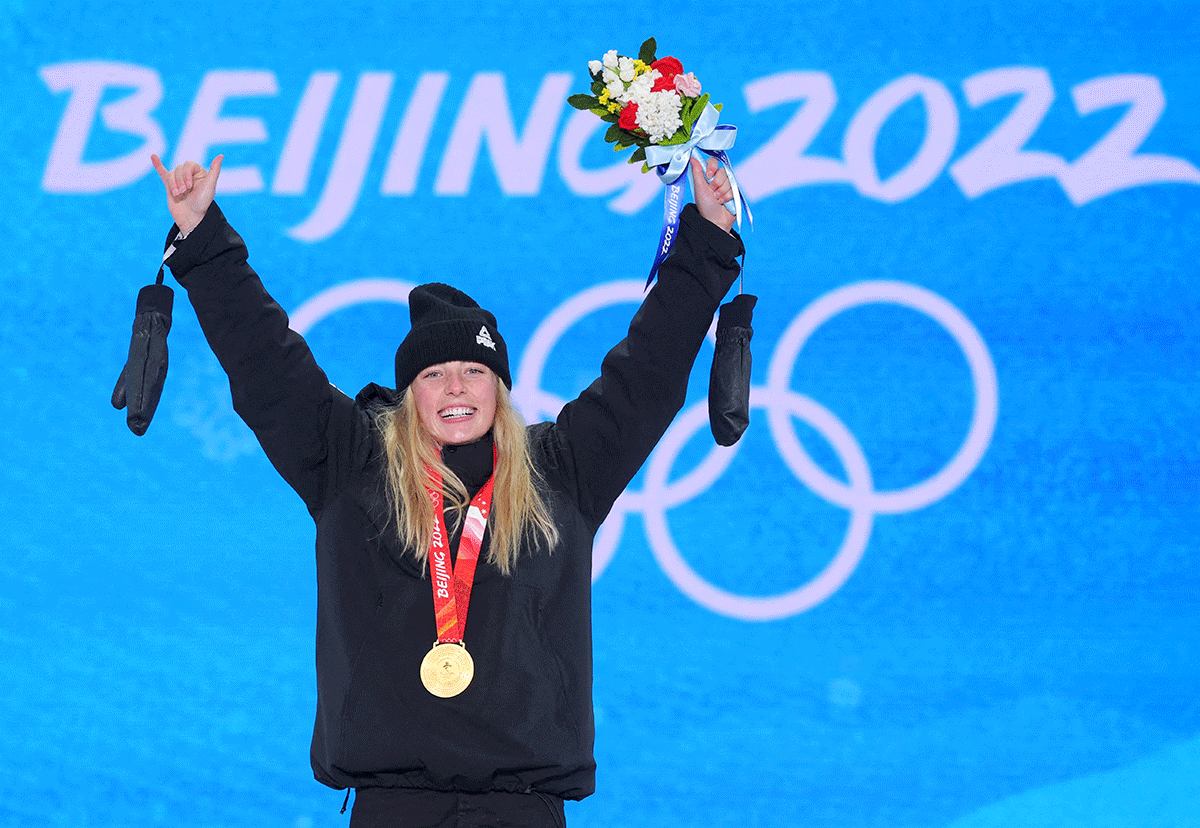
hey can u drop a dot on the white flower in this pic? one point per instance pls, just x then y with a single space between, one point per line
616 91
609 76
610 58
640 88
594 66
658 114
625 67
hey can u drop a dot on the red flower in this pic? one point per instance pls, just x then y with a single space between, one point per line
628 119
668 67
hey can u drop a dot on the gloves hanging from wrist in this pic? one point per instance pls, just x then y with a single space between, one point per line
729 379
141 382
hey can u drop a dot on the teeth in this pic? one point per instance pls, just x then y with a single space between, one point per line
456 412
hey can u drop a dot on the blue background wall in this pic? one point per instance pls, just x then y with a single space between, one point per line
947 579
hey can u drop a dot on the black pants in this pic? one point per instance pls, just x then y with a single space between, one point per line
414 808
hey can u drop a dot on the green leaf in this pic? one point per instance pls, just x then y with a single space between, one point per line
688 115
613 134
610 117
646 53
583 101
639 154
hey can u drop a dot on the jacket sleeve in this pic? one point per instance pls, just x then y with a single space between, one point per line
610 429
277 386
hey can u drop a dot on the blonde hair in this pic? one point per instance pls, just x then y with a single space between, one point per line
519 511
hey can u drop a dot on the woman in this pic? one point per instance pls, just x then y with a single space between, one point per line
434 718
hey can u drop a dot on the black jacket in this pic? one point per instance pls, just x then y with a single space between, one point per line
525 722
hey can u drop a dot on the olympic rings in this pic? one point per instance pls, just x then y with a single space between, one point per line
348 294
983 376
835 573
659 492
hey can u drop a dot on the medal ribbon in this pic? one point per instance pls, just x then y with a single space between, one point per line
452 581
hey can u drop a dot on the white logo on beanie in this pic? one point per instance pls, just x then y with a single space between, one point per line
485 338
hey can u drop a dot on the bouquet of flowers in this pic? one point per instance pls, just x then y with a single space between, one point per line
651 104
648 101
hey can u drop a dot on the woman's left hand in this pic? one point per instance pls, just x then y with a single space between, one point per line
713 190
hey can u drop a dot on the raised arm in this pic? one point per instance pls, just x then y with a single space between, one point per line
606 433
277 386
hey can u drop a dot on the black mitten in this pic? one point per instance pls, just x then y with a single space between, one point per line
141 381
729 380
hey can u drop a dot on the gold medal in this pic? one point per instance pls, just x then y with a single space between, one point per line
447 669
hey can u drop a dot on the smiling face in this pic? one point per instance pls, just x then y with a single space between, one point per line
456 401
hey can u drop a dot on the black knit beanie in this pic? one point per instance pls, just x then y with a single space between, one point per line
448 325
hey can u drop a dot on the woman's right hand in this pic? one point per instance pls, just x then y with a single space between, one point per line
190 189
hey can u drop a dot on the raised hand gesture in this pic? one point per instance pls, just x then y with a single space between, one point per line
190 189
